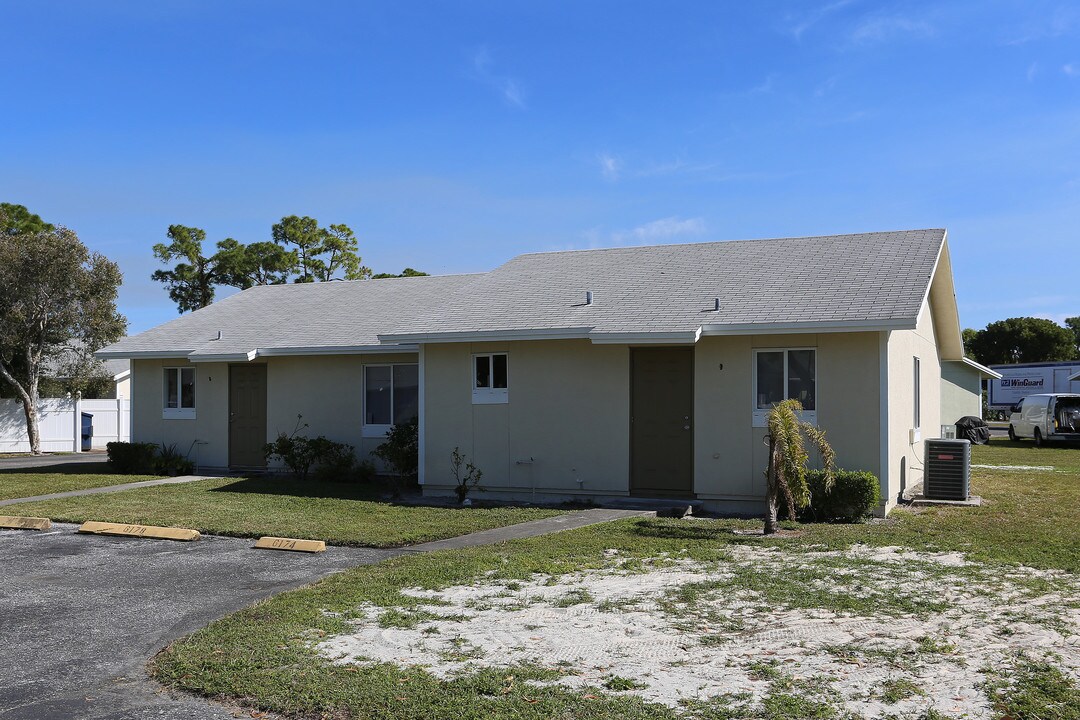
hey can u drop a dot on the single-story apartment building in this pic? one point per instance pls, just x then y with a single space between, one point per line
635 371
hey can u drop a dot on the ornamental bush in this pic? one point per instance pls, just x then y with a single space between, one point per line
128 458
854 496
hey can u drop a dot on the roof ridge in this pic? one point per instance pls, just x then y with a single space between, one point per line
725 242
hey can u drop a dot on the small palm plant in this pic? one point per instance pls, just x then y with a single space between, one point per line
786 473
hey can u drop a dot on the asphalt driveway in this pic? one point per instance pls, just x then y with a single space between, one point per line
80 615
52 461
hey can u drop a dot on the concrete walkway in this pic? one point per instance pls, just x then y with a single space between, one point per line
109 489
530 529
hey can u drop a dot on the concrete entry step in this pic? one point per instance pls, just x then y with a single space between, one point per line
663 507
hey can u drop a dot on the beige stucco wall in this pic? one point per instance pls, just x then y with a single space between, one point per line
210 428
568 415
731 454
567 419
961 391
905 460
122 389
326 390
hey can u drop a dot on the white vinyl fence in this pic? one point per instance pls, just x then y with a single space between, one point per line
60 425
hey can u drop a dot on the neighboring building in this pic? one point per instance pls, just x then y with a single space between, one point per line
644 371
961 389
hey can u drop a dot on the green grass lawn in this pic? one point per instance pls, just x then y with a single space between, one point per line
263 656
339 514
17 483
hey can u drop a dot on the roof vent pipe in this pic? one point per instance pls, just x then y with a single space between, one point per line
716 304
588 297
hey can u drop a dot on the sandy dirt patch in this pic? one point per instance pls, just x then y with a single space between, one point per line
945 626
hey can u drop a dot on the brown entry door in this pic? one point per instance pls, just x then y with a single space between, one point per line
661 420
247 416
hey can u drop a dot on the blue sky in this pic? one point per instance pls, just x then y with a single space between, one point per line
453 136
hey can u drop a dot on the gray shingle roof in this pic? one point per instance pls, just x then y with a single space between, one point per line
330 316
877 279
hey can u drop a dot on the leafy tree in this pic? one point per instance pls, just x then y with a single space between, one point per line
1023 340
321 253
55 295
1073 324
786 472
969 335
259 263
407 272
191 281
17 220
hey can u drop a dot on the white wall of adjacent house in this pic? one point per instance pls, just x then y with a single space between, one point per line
59 422
961 392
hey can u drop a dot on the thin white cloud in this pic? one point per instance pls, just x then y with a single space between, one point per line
879 28
660 230
1071 69
798 26
510 89
610 166
651 233
1032 71
1063 21
766 85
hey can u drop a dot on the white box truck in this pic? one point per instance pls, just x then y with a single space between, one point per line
1019 381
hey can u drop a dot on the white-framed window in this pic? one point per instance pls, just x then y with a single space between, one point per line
491 379
916 392
781 374
178 393
391 397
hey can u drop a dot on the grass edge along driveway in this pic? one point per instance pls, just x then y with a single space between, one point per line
340 514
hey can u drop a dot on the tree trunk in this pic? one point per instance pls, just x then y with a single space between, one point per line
30 411
771 525
29 398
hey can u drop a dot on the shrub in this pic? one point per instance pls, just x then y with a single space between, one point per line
365 471
334 461
170 461
463 481
128 458
331 460
855 495
401 453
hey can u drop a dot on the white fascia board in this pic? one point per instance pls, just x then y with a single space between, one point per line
121 375
948 297
222 357
988 372
337 350
823 326
573 333
141 354
688 337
